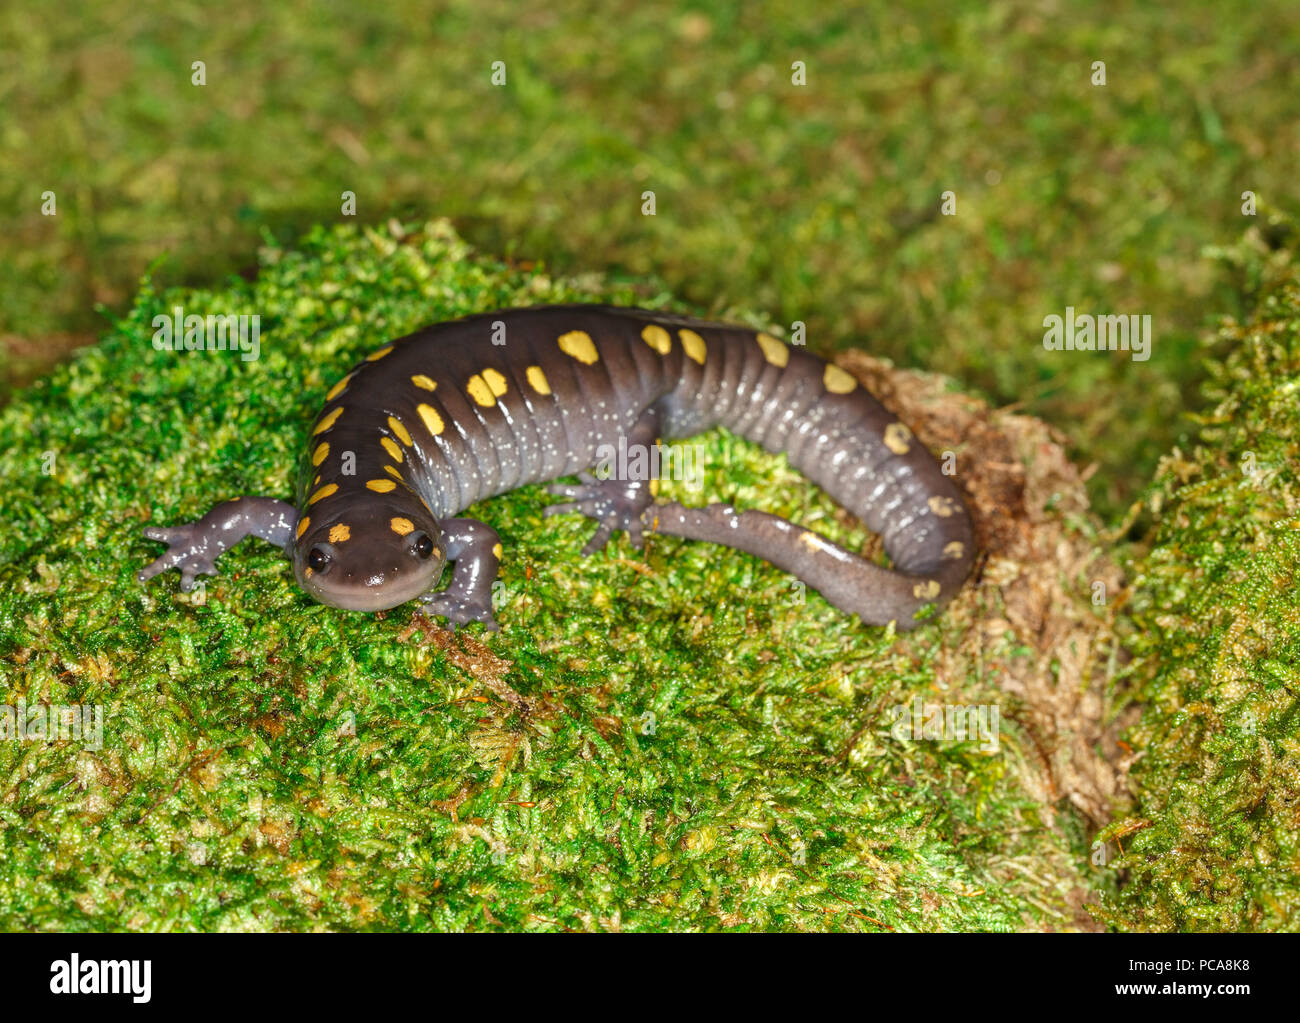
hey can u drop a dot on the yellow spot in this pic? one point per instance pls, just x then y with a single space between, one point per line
339 533
316 480
324 491
328 421
399 430
693 345
578 344
381 486
320 454
304 524
495 381
837 381
391 447
954 550
896 438
307 574
420 380
927 590
432 421
392 471
337 389
657 338
537 380
942 506
479 391
376 356
774 351
401 526
497 551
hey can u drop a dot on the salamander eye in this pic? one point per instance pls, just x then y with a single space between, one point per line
423 547
318 560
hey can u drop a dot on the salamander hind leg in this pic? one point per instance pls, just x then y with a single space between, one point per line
614 504
619 501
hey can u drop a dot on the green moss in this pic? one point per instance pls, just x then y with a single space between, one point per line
1214 842
662 740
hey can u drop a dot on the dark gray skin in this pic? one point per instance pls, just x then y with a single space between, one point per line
445 417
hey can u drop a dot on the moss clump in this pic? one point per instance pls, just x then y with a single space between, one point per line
674 739
1214 841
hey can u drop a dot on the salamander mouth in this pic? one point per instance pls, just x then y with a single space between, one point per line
376 591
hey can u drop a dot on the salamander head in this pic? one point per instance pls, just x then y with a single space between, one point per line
370 558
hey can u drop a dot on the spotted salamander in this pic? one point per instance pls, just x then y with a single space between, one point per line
460 411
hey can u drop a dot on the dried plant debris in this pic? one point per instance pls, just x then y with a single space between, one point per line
1035 627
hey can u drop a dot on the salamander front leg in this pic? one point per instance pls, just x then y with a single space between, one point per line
194 547
476 550
620 501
